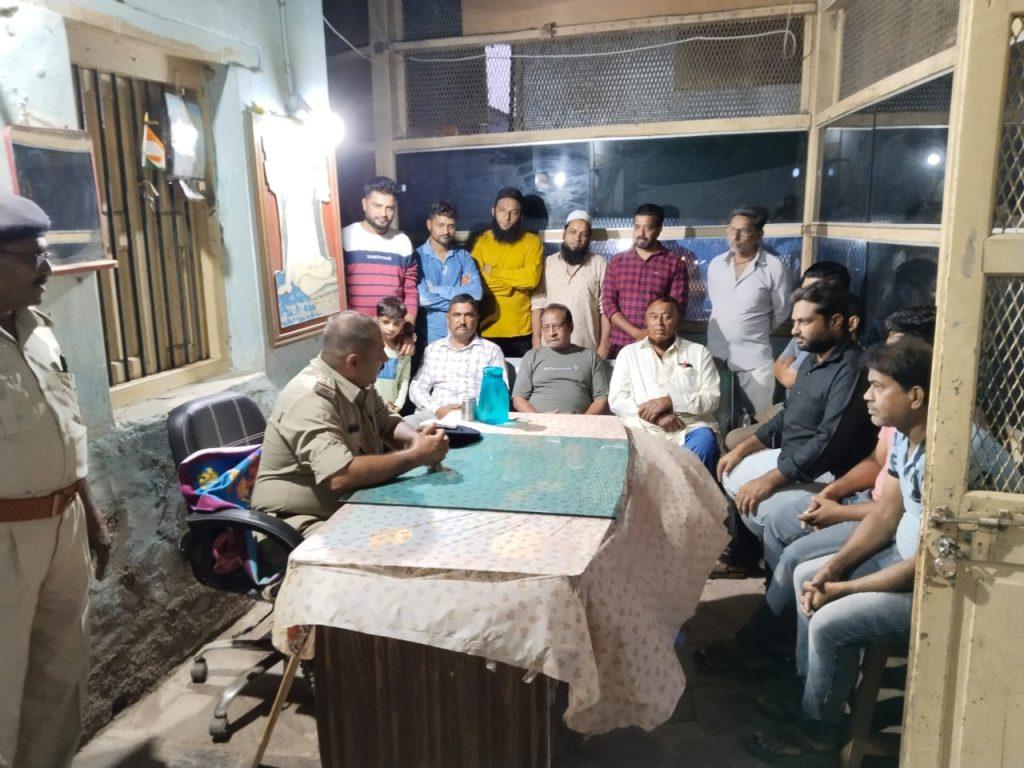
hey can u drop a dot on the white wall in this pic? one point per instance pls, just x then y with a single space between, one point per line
36 88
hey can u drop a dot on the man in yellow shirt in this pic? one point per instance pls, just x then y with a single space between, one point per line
510 261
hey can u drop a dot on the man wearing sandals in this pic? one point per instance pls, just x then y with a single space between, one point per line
863 593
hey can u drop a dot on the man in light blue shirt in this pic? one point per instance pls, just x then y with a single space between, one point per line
863 593
445 272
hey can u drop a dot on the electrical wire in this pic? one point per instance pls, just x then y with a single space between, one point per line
345 40
789 39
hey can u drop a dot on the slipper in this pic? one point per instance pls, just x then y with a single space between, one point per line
777 707
794 745
724 570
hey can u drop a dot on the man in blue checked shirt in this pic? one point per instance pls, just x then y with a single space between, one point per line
445 272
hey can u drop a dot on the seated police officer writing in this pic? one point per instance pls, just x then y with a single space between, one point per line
328 432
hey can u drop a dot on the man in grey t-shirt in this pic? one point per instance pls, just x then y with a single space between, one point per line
560 377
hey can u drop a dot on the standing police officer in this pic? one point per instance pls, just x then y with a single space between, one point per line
48 518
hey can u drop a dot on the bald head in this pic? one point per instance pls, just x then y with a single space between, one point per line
349 333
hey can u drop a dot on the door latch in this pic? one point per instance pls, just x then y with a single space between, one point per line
948 551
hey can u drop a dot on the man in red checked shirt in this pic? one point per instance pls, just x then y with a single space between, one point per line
635 277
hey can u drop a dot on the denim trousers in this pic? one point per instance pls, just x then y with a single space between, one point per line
704 443
829 642
782 529
789 501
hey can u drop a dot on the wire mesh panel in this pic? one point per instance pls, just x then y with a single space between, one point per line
704 78
425 19
997 442
881 37
721 70
1009 203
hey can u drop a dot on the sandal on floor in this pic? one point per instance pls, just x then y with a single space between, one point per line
778 707
724 570
794 745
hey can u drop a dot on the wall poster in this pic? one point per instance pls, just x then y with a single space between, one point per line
300 228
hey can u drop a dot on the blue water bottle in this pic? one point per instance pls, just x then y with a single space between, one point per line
492 404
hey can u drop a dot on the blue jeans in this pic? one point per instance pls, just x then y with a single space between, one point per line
829 642
774 618
704 443
783 502
782 528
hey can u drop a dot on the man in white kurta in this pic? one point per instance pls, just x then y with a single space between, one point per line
668 385
749 290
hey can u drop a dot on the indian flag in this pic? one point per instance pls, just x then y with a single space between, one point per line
153 151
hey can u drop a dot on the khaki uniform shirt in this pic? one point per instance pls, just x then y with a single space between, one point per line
42 435
320 423
579 288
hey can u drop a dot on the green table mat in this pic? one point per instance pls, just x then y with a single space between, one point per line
578 476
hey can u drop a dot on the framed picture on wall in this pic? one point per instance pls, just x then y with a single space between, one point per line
299 226
54 168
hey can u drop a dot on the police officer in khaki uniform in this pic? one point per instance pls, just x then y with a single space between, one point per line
327 434
48 519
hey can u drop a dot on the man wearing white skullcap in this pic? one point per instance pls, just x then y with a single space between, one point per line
574 277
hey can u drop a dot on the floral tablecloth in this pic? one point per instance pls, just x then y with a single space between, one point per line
593 602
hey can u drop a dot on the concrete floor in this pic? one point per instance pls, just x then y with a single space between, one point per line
168 728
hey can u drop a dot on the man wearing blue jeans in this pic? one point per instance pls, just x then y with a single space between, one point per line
822 430
863 593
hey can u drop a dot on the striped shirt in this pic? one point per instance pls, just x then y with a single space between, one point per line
378 266
632 282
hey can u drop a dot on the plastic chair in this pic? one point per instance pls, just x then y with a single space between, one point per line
221 421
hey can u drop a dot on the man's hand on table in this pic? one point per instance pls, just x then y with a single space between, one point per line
430 446
655 408
444 410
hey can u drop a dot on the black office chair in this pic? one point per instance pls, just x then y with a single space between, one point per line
220 421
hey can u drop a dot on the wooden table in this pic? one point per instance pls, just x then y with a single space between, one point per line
428 620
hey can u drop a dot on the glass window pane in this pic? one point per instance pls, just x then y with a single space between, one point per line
554 177
699 179
354 170
887 175
886 277
699 252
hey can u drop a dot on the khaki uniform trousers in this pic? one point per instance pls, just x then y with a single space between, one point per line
44 638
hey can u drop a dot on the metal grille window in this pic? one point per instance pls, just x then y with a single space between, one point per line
1009 203
425 19
486 92
152 306
997 442
881 37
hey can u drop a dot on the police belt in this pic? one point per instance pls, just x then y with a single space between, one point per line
38 507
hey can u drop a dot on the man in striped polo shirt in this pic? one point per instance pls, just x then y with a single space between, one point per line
379 262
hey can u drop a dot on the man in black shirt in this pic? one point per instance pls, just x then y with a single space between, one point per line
823 429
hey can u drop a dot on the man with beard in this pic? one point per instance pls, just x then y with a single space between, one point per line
444 272
48 518
453 367
749 291
821 432
639 275
574 277
379 262
510 261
